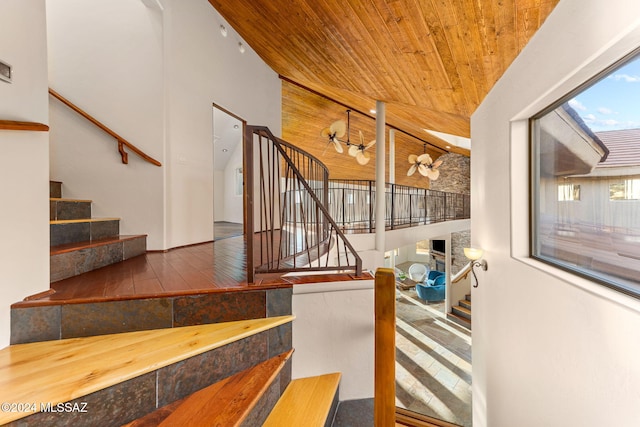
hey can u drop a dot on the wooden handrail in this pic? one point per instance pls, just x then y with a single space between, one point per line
121 141
384 398
13 125
461 274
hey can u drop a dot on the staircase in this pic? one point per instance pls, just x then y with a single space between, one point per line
227 373
461 313
80 243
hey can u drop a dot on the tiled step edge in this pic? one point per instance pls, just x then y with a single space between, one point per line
73 259
122 377
79 230
461 311
66 209
246 397
465 303
459 320
310 401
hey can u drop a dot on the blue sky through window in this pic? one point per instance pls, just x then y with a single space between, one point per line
614 102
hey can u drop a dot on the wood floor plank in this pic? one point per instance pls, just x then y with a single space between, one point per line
207 267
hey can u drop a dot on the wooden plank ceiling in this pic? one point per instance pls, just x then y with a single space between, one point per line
431 61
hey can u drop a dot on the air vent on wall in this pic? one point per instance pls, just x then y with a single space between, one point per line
5 72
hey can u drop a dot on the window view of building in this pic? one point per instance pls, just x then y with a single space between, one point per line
586 181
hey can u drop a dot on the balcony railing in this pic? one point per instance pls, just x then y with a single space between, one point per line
286 213
351 205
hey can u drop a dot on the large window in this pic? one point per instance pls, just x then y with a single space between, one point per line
586 180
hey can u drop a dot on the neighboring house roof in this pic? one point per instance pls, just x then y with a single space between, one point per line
624 148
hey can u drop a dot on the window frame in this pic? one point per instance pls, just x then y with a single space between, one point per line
533 173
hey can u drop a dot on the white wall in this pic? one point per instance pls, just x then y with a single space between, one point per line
106 56
364 244
549 349
233 208
24 162
206 68
152 75
334 332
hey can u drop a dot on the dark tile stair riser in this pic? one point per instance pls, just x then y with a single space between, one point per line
61 234
51 322
104 229
460 312
75 262
459 320
467 297
55 189
65 209
132 399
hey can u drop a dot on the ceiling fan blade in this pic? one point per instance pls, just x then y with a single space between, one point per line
424 158
436 164
339 127
370 144
412 169
433 174
353 150
361 138
423 170
326 133
363 158
412 158
337 146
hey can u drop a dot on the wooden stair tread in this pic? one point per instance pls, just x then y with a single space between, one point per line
463 309
87 244
74 221
62 199
464 320
225 403
62 370
306 401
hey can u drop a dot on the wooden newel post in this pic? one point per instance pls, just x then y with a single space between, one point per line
384 406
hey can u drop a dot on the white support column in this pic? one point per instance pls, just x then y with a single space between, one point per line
392 172
392 156
380 175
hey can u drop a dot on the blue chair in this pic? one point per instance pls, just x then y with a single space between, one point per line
433 292
432 276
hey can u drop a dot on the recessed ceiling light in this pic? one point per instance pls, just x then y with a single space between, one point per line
223 30
236 127
224 150
448 147
372 111
241 47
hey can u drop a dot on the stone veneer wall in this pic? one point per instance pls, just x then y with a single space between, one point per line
455 174
455 177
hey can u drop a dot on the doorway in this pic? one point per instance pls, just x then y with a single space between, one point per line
228 175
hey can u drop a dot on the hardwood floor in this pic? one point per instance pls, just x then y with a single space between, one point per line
225 229
208 267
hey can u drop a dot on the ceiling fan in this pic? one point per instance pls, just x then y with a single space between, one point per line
358 151
337 130
424 165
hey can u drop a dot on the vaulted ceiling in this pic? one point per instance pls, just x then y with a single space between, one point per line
431 61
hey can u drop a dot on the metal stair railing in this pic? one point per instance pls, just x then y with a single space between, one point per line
288 225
